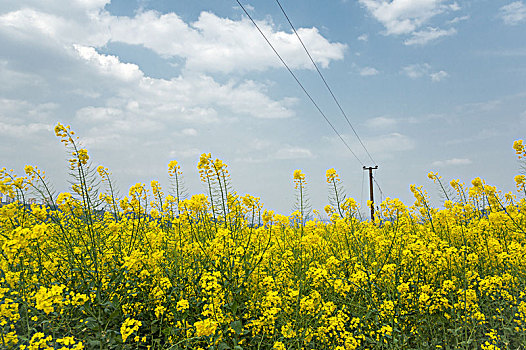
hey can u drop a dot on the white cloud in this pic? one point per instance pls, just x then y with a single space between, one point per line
103 141
514 13
23 119
185 153
363 37
109 64
406 17
383 146
182 97
210 44
17 110
481 136
415 71
290 152
248 7
18 80
368 71
438 76
264 151
82 26
115 103
23 130
453 7
451 162
99 114
381 122
130 120
458 19
424 36
481 107
189 132
389 143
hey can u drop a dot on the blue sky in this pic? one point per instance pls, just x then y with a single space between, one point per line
429 85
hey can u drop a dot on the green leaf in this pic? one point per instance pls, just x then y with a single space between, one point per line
237 326
223 346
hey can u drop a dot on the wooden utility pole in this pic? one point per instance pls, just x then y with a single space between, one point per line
371 195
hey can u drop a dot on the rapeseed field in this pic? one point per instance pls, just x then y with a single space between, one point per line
155 270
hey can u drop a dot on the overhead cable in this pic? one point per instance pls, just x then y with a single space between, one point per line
324 81
379 189
330 90
299 83
363 181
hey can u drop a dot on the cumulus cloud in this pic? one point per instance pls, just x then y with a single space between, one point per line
57 47
439 76
451 162
77 63
513 13
52 54
424 36
368 71
415 71
363 37
210 44
381 122
407 17
180 97
15 113
17 79
390 143
110 65
23 130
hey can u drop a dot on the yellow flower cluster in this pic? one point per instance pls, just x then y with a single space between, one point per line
157 270
520 148
129 327
47 298
205 327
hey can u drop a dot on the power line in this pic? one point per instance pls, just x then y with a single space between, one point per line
306 92
379 189
330 91
324 81
361 195
300 84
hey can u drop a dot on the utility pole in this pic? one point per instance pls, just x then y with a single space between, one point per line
371 195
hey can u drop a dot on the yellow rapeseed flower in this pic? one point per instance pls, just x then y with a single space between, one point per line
83 156
331 175
129 326
182 305
279 346
519 148
298 175
205 327
520 182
